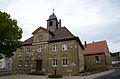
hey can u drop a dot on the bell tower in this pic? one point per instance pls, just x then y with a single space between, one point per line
52 22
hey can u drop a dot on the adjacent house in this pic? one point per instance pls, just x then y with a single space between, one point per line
97 55
5 63
49 50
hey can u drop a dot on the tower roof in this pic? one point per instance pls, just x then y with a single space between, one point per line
53 16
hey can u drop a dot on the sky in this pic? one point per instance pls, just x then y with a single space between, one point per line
91 20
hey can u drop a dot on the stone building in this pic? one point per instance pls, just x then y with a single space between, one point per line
49 50
97 55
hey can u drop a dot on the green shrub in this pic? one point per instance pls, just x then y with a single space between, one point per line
36 73
55 76
88 69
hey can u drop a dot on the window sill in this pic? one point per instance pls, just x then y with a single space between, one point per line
26 65
64 65
20 65
54 66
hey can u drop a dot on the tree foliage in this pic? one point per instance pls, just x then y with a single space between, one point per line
10 34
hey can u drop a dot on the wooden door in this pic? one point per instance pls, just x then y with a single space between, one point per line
39 65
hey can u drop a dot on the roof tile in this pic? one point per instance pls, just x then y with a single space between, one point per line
95 48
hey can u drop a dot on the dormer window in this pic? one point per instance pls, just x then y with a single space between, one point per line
51 23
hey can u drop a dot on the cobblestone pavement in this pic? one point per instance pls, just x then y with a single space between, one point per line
45 77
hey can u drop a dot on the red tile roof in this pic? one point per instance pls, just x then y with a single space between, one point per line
95 48
62 33
28 41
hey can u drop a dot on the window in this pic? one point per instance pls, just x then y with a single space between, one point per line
26 62
40 49
22 49
39 37
54 62
27 50
51 23
54 47
64 62
20 63
64 47
97 60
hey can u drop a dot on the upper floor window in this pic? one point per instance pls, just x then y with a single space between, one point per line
27 50
64 47
64 62
54 62
40 49
97 60
22 49
39 37
51 23
54 47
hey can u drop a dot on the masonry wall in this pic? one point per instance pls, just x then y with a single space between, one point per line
73 54
91 61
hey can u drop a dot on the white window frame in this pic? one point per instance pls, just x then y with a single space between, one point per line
64 47
54 47
97 60
39 48
26 62
20 63
27 50
64 62
54 62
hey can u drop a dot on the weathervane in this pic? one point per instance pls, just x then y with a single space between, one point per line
53 9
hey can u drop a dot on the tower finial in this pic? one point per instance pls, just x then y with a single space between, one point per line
53 9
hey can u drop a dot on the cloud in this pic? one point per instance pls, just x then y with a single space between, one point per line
89 19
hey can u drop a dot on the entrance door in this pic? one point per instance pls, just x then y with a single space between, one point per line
38 65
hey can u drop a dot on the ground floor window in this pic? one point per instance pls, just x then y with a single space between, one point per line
20 63
54 62
64 62
26 62
97 60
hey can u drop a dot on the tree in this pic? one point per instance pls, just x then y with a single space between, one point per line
10 34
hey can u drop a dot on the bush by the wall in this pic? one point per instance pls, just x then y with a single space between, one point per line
55 76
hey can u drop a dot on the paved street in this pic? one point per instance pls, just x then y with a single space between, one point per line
114 74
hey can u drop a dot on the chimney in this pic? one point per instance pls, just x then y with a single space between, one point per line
59 24
85 44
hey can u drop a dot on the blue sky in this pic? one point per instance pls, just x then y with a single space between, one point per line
91 20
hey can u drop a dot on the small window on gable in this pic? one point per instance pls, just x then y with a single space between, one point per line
97 60
51 23
39 37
